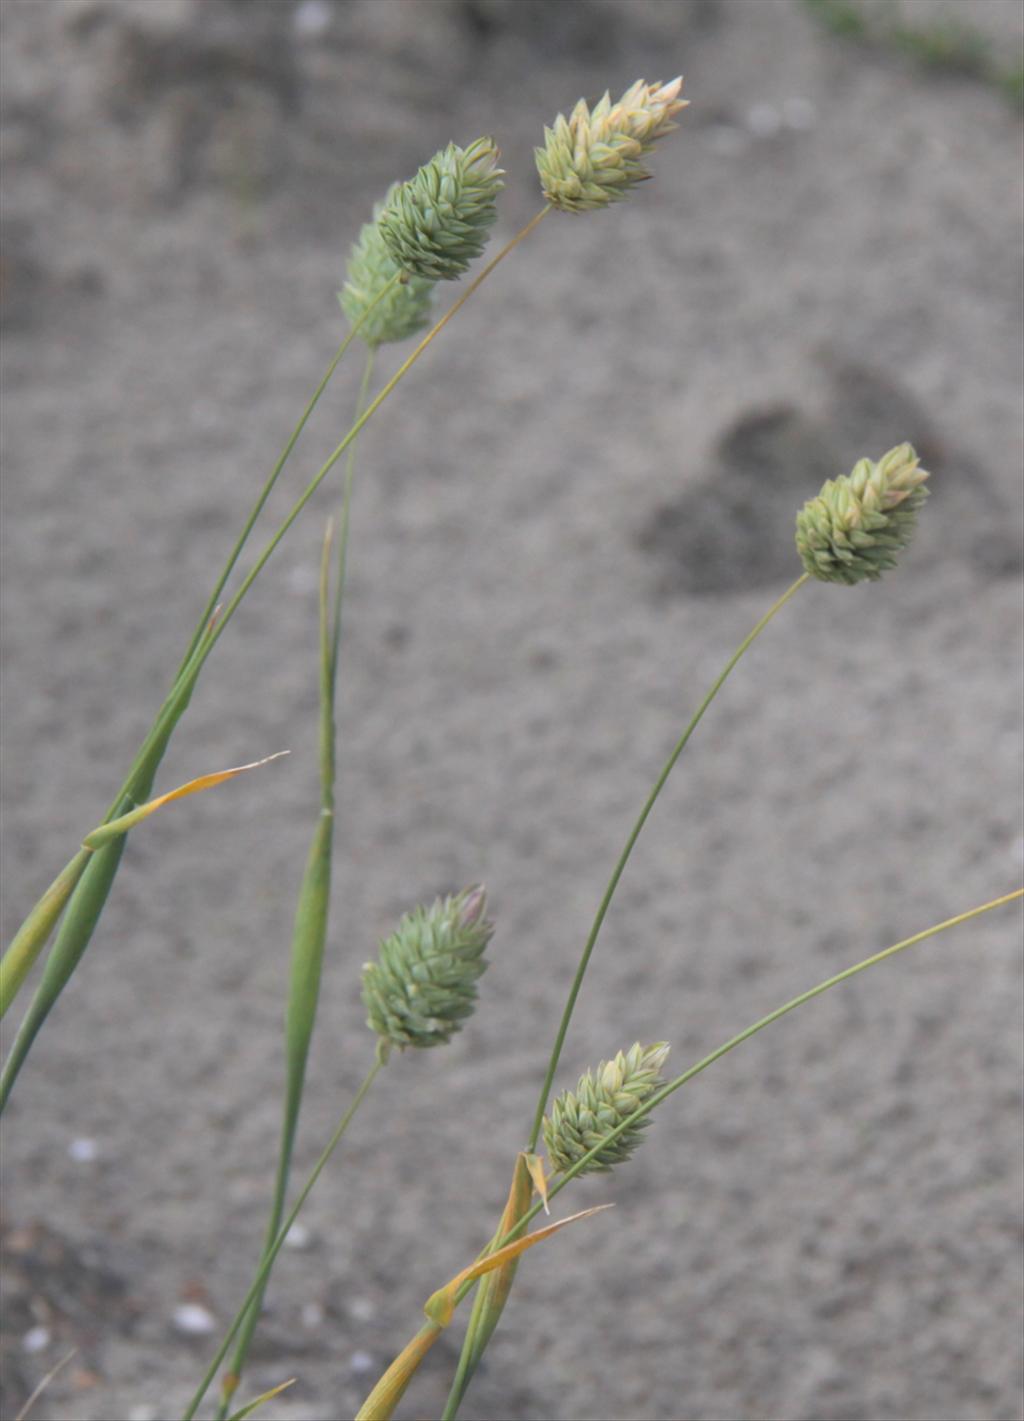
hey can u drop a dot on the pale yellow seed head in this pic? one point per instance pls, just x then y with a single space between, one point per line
592 158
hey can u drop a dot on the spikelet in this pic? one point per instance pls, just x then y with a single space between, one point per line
406 307
438 222
859 524
581 1119
423 985
593 157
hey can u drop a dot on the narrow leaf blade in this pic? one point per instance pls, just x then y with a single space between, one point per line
440 1306
124 822
251 1406
385 1396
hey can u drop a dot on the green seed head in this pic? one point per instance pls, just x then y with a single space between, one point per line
423 985
593 157
581 1119
406 307
859 524
438 222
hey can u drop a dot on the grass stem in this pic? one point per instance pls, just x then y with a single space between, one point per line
268 1261
214 633
623 859
310 933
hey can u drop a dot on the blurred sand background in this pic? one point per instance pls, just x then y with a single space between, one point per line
565 521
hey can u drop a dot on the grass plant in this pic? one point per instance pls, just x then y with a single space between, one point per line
424 983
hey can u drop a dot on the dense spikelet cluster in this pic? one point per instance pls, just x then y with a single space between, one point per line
423 985
435 224
593 157
404 310
859 524
582 1118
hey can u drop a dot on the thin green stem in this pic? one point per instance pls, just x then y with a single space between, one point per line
185 677
463 1371
268 487
343 530
268 1262
656 1098
470 1347
634 834
311 920
217 630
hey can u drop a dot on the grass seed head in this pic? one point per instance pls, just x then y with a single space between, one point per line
859 524
406 307
581 1119
593 157
435 224
423 984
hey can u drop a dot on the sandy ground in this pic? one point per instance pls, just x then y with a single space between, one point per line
565 521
